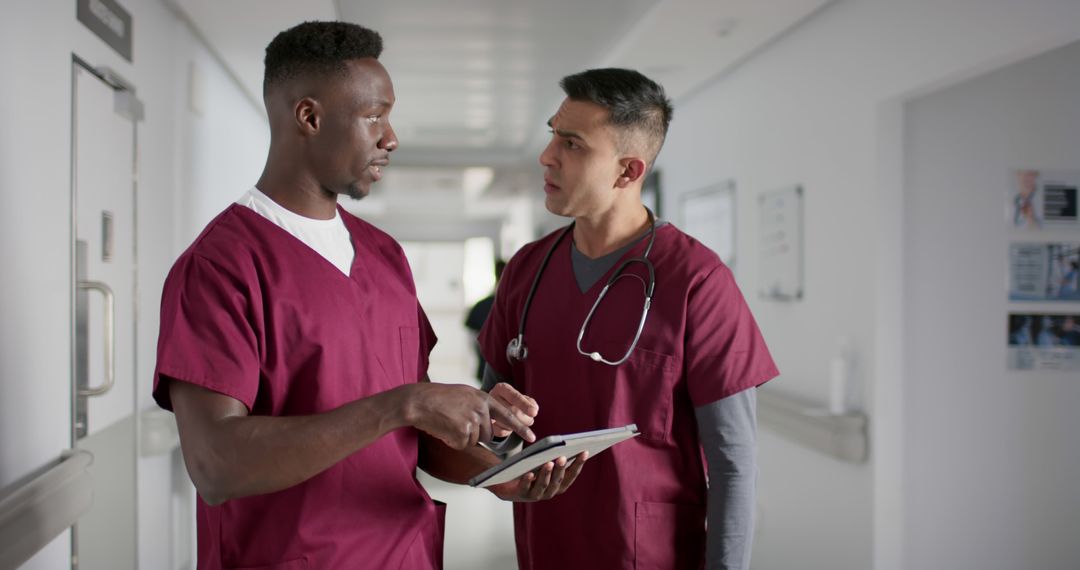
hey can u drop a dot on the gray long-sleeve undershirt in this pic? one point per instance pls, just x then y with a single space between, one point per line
727 430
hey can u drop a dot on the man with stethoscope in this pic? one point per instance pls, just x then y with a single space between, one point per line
621 318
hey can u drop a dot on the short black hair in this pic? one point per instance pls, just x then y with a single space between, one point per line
635 102
317 48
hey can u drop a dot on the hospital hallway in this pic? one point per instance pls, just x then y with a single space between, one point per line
894 187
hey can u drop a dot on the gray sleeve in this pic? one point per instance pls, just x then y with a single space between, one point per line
491 378
728 433
501 446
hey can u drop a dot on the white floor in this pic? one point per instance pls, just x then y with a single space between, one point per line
479 527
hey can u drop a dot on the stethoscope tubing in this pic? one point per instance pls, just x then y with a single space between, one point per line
516 349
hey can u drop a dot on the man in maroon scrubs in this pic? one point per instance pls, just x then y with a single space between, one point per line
687 382
293 350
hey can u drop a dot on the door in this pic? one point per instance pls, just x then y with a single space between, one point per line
104 115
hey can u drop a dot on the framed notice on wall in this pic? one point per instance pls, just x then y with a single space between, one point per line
708 214
1044 271
1045 199
1044 341
780 248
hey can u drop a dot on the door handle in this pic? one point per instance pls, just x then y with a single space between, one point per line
110 338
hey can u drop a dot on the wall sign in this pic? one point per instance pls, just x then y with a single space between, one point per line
1045 199
1044 271
1047 342
109 21
780 249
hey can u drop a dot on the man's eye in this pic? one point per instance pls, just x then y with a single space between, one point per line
374 119
566 142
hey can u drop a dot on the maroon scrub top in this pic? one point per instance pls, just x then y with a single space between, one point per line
252 312
640 504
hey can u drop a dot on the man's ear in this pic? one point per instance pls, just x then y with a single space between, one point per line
633 168
307 114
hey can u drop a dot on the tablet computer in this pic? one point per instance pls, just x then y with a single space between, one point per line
551 448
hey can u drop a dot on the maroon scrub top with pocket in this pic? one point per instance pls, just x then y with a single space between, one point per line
253 313
642 503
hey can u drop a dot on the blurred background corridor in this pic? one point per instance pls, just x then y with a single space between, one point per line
894 185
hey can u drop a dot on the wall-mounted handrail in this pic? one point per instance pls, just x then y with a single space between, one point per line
843 436
158 433
37 508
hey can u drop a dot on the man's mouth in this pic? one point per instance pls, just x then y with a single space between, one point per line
550 186
376 168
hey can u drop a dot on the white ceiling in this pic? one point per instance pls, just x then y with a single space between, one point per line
476 80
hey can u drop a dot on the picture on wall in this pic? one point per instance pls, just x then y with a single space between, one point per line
780 249
1044 198
1044 272
708 214
1045 342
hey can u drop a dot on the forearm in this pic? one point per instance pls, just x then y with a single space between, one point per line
242 455
440 460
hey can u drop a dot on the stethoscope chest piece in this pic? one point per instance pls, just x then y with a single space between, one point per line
516 350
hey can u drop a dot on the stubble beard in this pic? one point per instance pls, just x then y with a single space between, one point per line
356 192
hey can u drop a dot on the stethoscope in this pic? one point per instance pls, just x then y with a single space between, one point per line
517 351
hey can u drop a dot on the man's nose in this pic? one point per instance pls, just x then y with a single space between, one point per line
389 139
547 156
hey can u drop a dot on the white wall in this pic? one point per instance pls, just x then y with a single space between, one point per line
820 108
37 39
1014 499
220 150
35 222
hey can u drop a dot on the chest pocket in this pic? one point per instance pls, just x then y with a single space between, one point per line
640 390
410 354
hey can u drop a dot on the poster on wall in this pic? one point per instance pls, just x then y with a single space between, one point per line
1044 199
780 251
1044 272
708 214
1044 342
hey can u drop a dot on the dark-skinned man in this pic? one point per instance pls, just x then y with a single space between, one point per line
293 350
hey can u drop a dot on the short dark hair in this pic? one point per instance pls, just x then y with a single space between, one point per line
317 48
635 102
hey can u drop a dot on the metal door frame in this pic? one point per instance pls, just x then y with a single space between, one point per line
135 114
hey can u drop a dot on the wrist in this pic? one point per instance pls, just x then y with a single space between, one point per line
405 409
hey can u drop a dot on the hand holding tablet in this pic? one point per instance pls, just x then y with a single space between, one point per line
550 449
